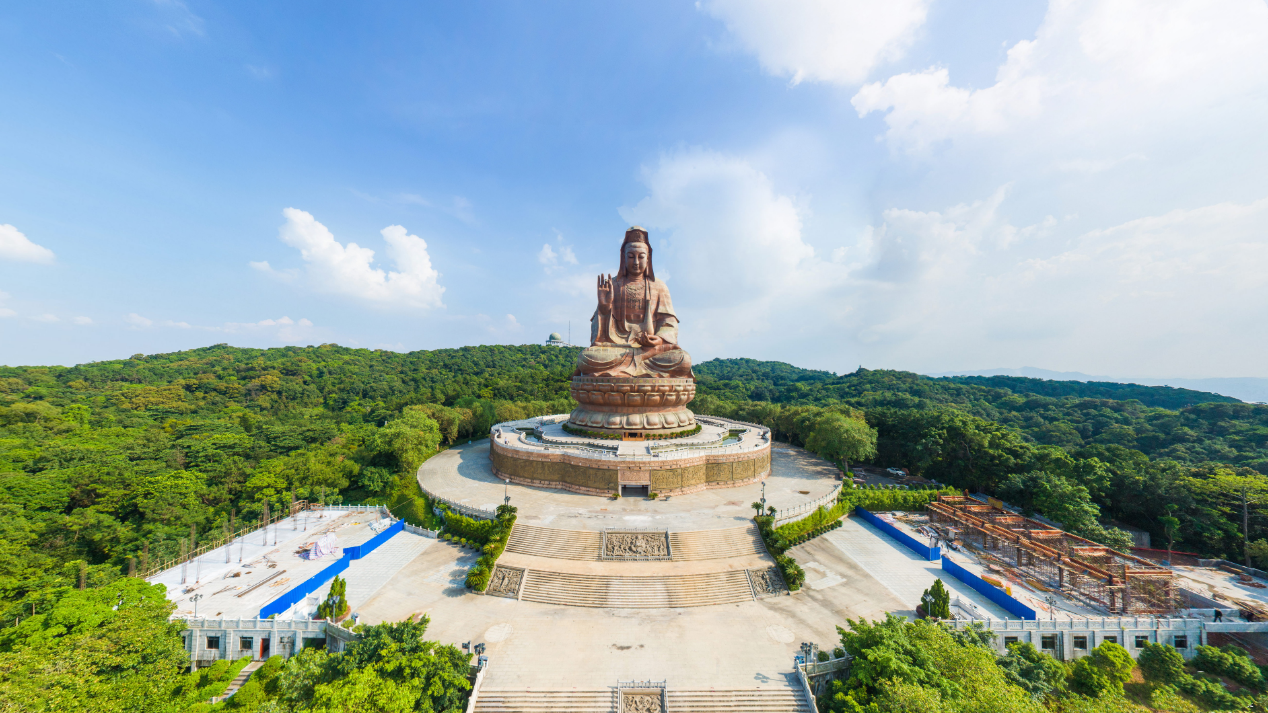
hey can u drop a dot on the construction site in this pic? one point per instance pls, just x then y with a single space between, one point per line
1090 573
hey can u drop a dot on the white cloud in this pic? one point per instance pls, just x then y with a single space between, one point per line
136 321
16 246
724 225
284 328
346 269
6 312
551 258
46 318
837 41
82 321
260 72
1096 68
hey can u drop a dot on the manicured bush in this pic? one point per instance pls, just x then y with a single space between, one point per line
822 656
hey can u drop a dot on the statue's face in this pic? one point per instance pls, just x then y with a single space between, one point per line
635 259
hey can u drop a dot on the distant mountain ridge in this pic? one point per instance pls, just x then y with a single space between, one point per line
1244 388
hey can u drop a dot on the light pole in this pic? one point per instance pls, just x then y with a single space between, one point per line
195 599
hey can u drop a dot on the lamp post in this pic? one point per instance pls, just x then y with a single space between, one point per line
195 599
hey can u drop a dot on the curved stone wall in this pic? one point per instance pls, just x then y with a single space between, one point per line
603 476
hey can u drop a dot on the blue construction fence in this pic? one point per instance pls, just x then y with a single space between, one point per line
313 583
988 590
931 554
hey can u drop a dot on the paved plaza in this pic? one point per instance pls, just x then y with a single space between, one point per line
463 474
854 571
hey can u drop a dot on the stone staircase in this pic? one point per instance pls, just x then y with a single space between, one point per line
755 700
239 681
648 592
716 544
559 544
588 545
739 700
525 701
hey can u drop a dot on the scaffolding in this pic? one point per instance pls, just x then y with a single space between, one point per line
1081 569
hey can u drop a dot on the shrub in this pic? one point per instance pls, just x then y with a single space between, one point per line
838 653
1104 671
822 656
1230 661
936 601
1210 693
1161 663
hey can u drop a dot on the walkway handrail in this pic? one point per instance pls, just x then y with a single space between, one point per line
783 517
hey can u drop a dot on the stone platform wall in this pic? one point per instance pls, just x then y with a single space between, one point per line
603 476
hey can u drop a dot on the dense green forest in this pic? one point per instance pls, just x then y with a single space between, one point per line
107 466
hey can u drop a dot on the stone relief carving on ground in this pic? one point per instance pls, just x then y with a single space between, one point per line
636 544
766 582
506 582
642 702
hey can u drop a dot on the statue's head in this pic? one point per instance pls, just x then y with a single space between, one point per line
636 254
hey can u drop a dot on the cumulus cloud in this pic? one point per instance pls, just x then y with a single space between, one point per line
1156 295
332 267
837 41
721 221
16 246
1106 67
82 321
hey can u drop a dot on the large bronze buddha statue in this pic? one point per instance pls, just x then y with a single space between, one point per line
633 377
634 331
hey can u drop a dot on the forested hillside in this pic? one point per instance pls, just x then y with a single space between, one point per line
108 465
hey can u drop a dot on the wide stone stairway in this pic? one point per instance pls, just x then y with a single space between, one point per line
643 569
756 700
716 544
649 592
588 544
559 544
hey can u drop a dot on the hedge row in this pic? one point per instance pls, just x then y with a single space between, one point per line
496 532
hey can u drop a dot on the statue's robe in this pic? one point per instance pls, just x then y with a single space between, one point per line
638 307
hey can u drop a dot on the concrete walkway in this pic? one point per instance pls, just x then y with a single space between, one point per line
895 567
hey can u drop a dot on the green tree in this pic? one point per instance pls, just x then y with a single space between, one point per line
1161 663
1032 670
1229 490
409 439
936 601
841 438
1104 670
111 645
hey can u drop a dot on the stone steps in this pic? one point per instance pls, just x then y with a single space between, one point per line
559 544
759 700
755 700
653 592
587 545
716 544
523 701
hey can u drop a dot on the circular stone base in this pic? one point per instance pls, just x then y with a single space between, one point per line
540 453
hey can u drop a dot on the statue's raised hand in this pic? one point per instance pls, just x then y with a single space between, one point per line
606 292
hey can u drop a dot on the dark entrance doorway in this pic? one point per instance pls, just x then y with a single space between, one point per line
264 648
634 491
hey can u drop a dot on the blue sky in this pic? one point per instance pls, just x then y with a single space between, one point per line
917 184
